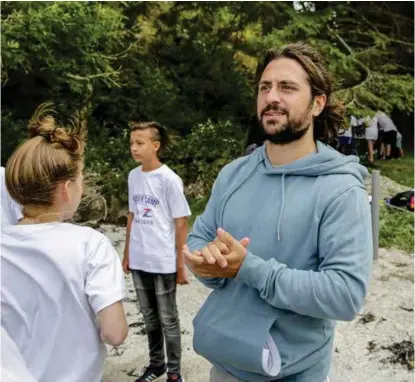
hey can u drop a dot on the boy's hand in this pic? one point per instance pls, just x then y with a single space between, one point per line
182 278
126 263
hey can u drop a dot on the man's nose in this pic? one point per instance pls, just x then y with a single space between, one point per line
273 96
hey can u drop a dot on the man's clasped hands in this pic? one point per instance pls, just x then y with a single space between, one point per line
221 258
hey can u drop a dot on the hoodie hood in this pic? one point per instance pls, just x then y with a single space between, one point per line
326 161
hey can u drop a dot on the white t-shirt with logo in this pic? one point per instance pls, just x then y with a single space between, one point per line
11 212
55 278
155 198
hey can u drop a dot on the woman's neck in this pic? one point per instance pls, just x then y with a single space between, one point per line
37 215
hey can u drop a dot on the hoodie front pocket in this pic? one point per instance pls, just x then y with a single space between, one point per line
226 335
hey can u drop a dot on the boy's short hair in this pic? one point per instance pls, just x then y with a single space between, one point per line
160 132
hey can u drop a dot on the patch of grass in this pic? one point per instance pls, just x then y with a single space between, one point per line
396 229
399 170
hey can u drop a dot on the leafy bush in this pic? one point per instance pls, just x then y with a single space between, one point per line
200 156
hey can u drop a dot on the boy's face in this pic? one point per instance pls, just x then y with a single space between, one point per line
142 145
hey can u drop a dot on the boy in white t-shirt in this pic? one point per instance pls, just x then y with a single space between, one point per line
62 284
156 232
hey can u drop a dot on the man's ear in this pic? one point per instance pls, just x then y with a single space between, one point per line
318 104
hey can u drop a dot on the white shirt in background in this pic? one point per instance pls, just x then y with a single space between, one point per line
55 278
371 130
385 123
11 212
156 198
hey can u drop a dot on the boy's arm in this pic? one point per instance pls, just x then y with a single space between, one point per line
179 212
181 236
130 217
126 259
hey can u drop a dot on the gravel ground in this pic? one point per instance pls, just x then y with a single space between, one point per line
387 318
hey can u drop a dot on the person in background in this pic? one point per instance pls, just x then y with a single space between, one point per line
390 131
371 136
346 137
11 212
156 232
62 284
399 150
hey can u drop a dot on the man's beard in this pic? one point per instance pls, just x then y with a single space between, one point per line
291 131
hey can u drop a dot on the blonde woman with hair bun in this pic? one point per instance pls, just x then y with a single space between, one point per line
62 284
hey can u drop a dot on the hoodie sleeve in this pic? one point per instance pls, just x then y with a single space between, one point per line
337 290
204 231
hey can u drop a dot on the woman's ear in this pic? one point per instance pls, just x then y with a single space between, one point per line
63 191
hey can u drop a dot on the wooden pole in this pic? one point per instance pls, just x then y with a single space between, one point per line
375 212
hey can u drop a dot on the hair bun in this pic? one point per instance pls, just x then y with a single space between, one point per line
43 124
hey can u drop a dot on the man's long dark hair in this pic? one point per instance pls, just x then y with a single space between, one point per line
331 119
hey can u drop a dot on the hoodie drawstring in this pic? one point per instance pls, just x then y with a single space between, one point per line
282 206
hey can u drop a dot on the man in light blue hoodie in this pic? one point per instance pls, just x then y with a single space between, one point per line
285 239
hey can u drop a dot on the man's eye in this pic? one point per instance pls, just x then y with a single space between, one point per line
264 87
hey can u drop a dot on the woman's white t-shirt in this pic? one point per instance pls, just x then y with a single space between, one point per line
55 278
156 198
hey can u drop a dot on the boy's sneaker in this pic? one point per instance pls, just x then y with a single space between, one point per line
173 377
150 374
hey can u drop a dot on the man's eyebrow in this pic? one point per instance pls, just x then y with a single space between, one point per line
289 82
283 82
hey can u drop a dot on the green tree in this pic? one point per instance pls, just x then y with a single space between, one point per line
189 66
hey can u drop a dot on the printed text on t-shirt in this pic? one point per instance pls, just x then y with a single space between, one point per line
146 199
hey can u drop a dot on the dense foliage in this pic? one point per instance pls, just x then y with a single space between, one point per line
189 66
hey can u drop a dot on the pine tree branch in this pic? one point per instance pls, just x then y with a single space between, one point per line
359 14
106 75
351 52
